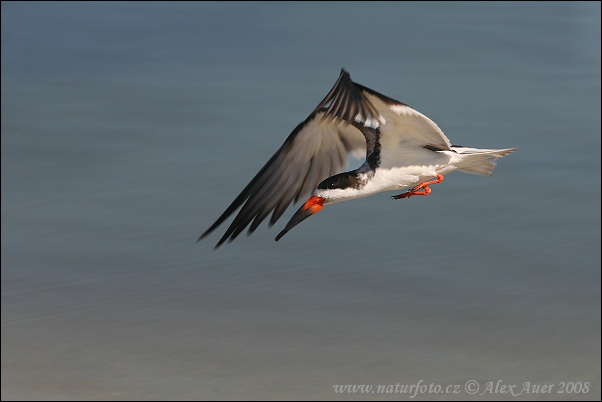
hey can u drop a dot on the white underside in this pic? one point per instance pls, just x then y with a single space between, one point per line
413 166
404 160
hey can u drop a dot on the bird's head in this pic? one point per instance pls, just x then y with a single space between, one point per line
336 188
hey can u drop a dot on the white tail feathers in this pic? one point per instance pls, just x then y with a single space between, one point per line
479 161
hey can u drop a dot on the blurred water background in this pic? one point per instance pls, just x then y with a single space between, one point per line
127 128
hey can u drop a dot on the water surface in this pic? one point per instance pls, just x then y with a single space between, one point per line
128 128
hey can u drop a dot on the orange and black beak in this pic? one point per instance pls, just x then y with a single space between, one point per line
311 206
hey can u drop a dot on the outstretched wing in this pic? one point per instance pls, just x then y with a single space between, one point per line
317 148
401 123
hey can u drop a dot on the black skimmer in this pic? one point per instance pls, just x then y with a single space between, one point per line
403 149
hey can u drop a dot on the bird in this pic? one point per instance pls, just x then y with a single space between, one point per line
402 148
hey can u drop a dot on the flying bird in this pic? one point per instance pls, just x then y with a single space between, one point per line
403 149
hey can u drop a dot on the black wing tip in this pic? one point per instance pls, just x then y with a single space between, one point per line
206 233
201 237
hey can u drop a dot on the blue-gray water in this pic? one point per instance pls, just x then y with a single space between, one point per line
128 128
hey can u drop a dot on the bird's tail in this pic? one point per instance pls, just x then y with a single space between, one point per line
480 161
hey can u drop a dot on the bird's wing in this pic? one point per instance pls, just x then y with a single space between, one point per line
399 123
317 148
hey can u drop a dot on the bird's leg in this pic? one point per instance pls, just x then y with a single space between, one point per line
416 190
